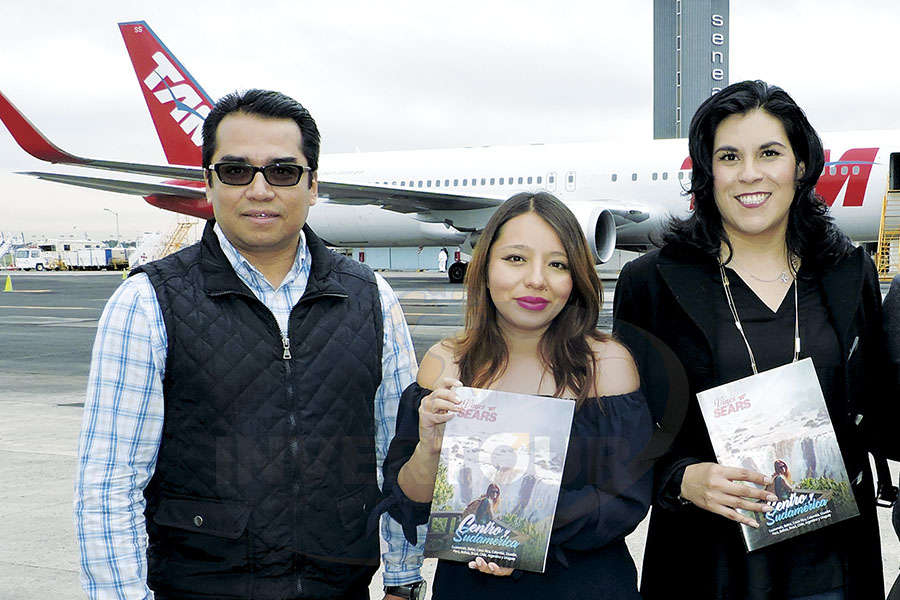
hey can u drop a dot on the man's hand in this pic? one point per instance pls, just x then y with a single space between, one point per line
717 489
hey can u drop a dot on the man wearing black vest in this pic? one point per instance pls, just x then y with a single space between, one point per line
243 393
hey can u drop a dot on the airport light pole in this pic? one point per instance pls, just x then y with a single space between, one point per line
118 239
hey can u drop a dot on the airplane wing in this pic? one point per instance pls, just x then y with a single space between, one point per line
39 146
402 200
135 188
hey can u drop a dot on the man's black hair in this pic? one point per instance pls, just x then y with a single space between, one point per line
263 103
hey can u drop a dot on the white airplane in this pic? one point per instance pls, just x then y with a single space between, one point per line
621 193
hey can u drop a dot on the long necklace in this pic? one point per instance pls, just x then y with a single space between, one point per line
737 321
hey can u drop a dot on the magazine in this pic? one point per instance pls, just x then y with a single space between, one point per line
498 479
777 423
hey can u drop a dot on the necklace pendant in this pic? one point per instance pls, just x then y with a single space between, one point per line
784 277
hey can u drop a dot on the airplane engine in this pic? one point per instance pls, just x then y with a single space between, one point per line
468 246
599 226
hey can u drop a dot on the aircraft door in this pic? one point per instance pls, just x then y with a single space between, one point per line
894 177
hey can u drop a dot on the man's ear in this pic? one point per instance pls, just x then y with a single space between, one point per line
207 175
314 188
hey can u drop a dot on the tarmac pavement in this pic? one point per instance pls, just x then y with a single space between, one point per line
44 357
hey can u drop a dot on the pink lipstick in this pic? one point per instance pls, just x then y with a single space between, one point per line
532 302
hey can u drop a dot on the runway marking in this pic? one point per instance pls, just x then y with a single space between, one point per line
430 295
28 292
49 321
52 307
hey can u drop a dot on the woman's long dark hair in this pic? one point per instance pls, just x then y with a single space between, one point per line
481 352
811 233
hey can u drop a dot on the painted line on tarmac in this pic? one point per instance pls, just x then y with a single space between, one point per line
430 295
49 321
52 307
27 292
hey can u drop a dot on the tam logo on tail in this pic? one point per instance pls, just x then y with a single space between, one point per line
190 110
177 103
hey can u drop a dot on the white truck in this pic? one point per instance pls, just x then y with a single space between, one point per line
30 258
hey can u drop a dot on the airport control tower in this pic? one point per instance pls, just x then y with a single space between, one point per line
690 60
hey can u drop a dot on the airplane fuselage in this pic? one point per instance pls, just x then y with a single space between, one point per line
651 177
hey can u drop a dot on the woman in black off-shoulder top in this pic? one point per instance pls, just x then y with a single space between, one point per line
533 300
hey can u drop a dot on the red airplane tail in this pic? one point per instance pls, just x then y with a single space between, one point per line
177 103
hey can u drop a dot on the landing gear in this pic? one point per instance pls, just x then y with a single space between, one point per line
39 267
457 272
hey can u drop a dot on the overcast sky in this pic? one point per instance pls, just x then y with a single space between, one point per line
404 75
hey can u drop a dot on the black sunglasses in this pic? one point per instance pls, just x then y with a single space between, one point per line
277 174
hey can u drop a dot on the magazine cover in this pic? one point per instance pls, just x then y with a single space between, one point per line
777 423
498 479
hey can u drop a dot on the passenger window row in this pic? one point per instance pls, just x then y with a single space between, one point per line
456 182
538 179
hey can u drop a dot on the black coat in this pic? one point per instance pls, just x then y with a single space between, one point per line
662 313
892 329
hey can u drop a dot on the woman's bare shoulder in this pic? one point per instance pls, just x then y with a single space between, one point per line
437 364
616 372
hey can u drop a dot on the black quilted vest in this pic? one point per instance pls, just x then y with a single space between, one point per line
266 468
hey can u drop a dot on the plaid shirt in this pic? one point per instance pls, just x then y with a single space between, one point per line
123 421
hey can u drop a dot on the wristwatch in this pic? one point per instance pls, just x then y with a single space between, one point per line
410 591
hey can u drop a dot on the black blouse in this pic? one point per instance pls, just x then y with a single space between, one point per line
815 561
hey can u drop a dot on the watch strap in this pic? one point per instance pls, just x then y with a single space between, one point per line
409 591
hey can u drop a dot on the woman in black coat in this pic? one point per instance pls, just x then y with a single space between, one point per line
756 160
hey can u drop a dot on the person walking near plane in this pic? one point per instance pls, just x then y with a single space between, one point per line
442 260
242 392
532 305
760 249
